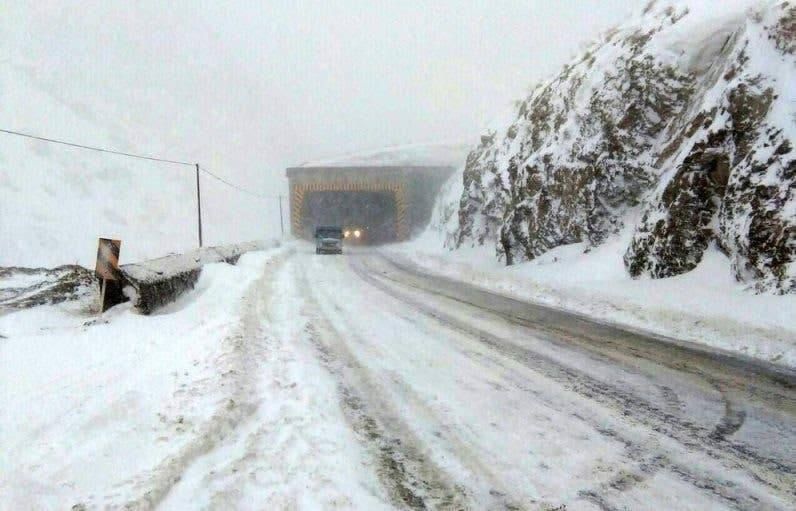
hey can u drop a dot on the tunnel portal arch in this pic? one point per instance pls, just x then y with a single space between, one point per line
299 195
410 190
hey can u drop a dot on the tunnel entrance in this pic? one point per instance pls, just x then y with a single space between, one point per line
386 203
372 213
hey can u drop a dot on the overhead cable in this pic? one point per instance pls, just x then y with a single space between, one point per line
139 156
93 148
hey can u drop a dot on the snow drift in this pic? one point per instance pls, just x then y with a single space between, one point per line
679 124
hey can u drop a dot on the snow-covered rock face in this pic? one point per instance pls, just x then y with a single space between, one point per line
578 149
732 179
686 117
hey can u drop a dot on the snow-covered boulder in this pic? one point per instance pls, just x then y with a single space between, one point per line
579 148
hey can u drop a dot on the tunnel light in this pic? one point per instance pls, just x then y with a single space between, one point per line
357 233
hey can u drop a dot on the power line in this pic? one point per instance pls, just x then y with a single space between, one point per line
164 160
233 185
139 156
92 148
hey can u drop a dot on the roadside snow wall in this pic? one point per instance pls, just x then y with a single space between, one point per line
155 283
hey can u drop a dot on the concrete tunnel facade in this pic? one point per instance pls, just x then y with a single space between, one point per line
389 203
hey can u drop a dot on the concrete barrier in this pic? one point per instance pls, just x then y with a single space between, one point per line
157 282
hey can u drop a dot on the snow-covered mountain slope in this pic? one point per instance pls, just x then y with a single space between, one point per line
55 201
442 154
732 170
683 116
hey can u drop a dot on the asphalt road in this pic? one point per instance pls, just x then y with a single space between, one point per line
475 400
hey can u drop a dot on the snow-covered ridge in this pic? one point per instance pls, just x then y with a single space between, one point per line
682 117
433 154
55 201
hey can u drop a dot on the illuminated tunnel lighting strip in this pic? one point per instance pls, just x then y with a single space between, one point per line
398 189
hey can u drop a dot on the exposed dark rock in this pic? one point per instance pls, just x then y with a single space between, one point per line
689 136
45 286
733 188
568 163
673 243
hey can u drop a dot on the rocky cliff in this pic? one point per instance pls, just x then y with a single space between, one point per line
678 125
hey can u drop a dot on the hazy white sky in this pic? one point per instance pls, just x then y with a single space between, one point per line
252 87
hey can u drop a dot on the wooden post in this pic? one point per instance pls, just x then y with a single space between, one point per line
281 221
199 205
103 288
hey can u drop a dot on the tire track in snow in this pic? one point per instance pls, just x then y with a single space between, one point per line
629 361
620 343
286 456
409 476
237 367
631 406
723 388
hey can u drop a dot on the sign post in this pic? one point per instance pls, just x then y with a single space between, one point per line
199 205
107 270
281 222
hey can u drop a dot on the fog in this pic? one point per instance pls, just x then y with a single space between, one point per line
249 88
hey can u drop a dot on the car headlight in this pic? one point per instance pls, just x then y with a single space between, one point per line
347 234
357 233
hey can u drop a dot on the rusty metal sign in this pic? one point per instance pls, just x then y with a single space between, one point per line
108 258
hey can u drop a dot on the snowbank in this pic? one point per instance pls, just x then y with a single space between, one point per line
214 402
88 404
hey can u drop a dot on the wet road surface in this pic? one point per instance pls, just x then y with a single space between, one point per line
470 399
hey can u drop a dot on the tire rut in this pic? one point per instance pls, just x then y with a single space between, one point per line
409 477
237 367
773 383
691 436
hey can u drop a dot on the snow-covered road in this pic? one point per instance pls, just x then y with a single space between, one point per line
493 403
358 382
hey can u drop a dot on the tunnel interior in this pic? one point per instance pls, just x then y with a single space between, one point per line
371 213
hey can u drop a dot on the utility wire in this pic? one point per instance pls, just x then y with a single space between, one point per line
233 185
92 148
139 156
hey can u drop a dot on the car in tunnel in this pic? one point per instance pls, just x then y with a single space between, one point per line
329 240
355 235
386 201
367 218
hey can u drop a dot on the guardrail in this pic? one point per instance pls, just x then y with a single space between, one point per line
157 282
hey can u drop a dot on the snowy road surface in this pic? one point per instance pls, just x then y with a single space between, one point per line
356 382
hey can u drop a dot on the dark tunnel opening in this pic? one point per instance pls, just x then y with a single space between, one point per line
372 214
